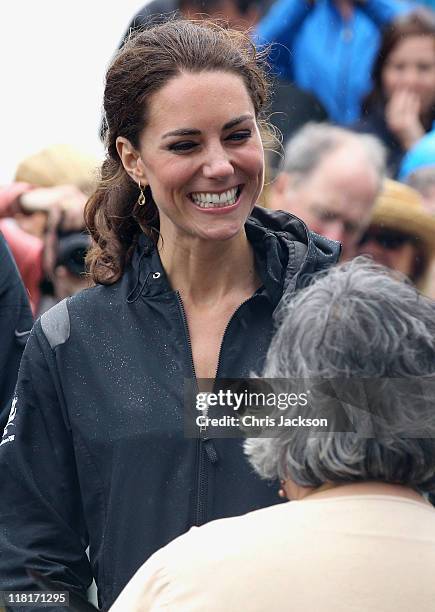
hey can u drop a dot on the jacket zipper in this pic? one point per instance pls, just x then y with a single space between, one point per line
205 445
201 499
186 331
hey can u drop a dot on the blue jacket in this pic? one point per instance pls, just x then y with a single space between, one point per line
325 54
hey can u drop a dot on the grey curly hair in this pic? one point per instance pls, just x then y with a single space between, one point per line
357 321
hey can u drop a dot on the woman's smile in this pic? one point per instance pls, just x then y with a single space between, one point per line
220 201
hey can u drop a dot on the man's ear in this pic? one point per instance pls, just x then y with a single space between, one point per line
131 159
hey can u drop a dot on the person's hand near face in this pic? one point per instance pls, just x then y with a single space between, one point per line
402 114
69 199
408 82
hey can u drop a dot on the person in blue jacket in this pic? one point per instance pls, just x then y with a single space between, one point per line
327 47
429 3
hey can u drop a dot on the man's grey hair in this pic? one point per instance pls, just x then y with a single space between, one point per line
358 321
422 180
307 148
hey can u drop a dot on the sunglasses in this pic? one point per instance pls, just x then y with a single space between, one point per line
389 239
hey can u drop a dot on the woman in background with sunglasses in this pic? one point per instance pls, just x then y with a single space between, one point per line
401 235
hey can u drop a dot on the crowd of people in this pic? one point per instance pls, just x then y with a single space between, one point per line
265 208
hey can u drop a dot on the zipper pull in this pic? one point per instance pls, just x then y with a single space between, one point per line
210 450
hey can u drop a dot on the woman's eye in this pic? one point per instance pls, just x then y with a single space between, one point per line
397 67
182 146
240 135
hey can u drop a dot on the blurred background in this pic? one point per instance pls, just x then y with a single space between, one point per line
54 56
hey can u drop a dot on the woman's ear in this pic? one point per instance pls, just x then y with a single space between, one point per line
130 158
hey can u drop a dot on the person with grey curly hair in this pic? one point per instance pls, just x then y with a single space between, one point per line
359 534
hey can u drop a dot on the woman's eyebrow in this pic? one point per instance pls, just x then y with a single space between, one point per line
236 121
195 132
183 132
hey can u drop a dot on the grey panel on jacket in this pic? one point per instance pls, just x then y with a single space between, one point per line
55 324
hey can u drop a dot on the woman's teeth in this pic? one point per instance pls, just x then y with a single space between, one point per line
215 200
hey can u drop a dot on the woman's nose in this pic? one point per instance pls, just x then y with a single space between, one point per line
411 78
218 164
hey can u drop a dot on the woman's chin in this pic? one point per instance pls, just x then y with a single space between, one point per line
221 232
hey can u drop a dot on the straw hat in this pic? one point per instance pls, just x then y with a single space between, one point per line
399 207
59 165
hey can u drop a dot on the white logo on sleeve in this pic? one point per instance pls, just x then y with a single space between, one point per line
7 436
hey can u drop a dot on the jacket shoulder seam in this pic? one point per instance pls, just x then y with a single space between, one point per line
55 324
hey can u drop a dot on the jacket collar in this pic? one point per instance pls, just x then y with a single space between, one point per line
285 252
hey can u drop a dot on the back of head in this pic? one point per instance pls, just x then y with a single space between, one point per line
355 324
351 322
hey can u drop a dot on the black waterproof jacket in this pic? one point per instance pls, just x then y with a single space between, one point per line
98 456
15 324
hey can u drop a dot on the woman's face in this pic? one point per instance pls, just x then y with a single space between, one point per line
411 66
202 156
390 249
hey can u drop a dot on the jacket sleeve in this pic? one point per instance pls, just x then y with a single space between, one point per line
278 28
15 324
383 12
41 518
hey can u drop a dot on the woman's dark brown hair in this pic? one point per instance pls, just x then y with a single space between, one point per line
147 61
420 22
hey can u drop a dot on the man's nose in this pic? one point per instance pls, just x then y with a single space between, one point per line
336 230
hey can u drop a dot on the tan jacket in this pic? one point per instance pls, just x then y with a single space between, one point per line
356 553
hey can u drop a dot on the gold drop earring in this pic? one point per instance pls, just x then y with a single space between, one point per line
141 199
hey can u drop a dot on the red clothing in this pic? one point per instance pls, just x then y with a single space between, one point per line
26 249
8 196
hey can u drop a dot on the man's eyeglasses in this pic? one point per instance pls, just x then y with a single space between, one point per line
389 239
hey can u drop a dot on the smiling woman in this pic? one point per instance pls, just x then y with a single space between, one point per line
189 274
163 137
211 165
